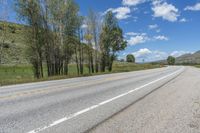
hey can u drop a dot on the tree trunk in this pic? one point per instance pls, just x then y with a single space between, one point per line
77 62
66 67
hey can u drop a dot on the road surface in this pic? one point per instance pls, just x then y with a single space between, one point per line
103 103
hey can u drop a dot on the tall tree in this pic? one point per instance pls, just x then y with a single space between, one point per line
111 41
79 48
88 38
93 25
70 31
29 11
54 21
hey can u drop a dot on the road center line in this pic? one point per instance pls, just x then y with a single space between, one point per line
100 104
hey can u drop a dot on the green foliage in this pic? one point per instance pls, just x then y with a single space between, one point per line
171 60
130 58
52 38
24 73
111 41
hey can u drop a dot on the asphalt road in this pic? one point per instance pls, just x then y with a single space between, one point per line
173 108
78 104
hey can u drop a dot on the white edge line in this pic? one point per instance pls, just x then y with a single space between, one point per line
100 104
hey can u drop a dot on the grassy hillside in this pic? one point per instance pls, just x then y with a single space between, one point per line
13 51
23 73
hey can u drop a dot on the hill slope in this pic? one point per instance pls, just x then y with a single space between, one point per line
12 43
189 58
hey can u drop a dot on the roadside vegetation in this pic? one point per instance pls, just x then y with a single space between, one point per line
171 60
198 66
55 42
24 73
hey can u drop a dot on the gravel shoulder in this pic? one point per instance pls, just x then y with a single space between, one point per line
174 107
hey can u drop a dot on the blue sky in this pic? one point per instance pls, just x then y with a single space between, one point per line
153 29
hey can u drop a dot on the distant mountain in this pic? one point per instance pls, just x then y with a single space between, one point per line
189 58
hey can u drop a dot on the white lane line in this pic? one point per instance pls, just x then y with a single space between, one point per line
100 104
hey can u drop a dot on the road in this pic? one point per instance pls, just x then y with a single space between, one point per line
87 104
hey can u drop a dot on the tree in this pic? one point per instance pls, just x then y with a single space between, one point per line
30 11
88 37
111 41
70 32
130 58
93 26
171 60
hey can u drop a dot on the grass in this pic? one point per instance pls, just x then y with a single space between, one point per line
24 74
198 66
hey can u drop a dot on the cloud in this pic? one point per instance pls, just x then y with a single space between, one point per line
161 37
134 38
142 52
196 7
84 26
166 11
135 34
183 20
138 39
132 2
147 55
154 26
120 12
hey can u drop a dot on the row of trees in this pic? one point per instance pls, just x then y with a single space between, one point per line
170 60
56 37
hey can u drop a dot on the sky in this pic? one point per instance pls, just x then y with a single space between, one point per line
153 29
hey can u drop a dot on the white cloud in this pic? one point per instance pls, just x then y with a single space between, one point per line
84 26
134 38
131 33
153 26
161 37
121 12
166 11
138 39
147 55
135 34
132 2
183 20
142 52
193 8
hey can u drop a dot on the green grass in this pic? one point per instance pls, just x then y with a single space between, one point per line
198 66
24 74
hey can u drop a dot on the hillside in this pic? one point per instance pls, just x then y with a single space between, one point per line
12 43
189 58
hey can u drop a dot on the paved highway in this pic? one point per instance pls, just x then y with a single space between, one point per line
173 108
78 104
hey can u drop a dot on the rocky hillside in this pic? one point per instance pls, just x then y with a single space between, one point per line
189 58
